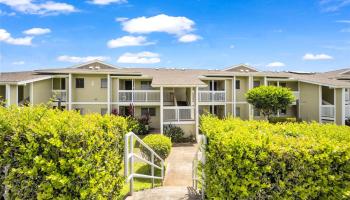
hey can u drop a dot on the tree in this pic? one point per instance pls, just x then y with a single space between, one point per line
270 99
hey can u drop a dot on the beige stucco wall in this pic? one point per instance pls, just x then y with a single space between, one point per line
92 91
189 129
42 91
309 102
90 108
13 95
244 108
154 120
240 94
339 107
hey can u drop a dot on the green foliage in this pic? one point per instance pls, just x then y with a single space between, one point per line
175 133
259 160
53 154
275 120
159 143
270 99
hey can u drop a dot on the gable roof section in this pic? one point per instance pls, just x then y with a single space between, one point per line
241 68
95 65
21 77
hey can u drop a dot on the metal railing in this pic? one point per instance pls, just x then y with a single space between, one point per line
209 96
129 159
328 111
198 176
139 95
59 94
347 111
178 113
296 95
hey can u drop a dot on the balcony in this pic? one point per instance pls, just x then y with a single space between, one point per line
59 95
139 95
178 114
212 96
328 112
347 111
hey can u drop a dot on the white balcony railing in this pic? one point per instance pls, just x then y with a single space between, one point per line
209 96
178 113
139 95
327 111
347 111
59 95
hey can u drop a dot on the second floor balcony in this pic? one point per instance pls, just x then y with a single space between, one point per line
328 112
173 114
59 95
139 95
212 96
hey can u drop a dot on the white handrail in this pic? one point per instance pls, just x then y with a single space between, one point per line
129 161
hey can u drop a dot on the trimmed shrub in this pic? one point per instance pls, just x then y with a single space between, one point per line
275 120
259 160
175 133
52 154
159 143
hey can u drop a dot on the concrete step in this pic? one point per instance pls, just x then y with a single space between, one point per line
166 193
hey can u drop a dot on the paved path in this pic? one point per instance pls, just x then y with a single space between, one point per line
178 177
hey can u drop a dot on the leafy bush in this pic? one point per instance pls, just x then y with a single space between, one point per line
275 120
259 160
175 133
53 154
159 143
270 99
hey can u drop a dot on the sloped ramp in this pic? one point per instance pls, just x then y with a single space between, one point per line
166 193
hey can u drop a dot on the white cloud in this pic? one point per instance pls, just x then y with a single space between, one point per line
345 30
4 13
276 64
333 5
310 56
121 19
7 38
128 41
189 38
107 2
343 21
232 46
76 59
18 63
37 31
159 23
45 8
139 58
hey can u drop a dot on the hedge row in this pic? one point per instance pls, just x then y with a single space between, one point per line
258 160
53 154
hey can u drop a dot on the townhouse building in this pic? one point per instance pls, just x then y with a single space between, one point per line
177 96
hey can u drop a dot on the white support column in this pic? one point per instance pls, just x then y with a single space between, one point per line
8 95
234 96
31 97
191 102
278 83
197 115
225 82
70 92
343 106
250 80
16 95
132 88
299 101
335 104
319 102
265 80
108 93
161 109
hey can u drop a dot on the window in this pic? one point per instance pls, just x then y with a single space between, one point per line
103 111
58 83
238 111
104 83
283 112
213 85
256 83
283 84
128 85
146 85
148 111
256 113
79 83
238 84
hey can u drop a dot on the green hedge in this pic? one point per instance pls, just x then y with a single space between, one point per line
52 154
159 143
258 160
275 120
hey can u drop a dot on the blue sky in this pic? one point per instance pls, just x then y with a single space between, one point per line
307 35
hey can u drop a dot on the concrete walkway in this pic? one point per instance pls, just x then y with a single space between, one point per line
178 177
